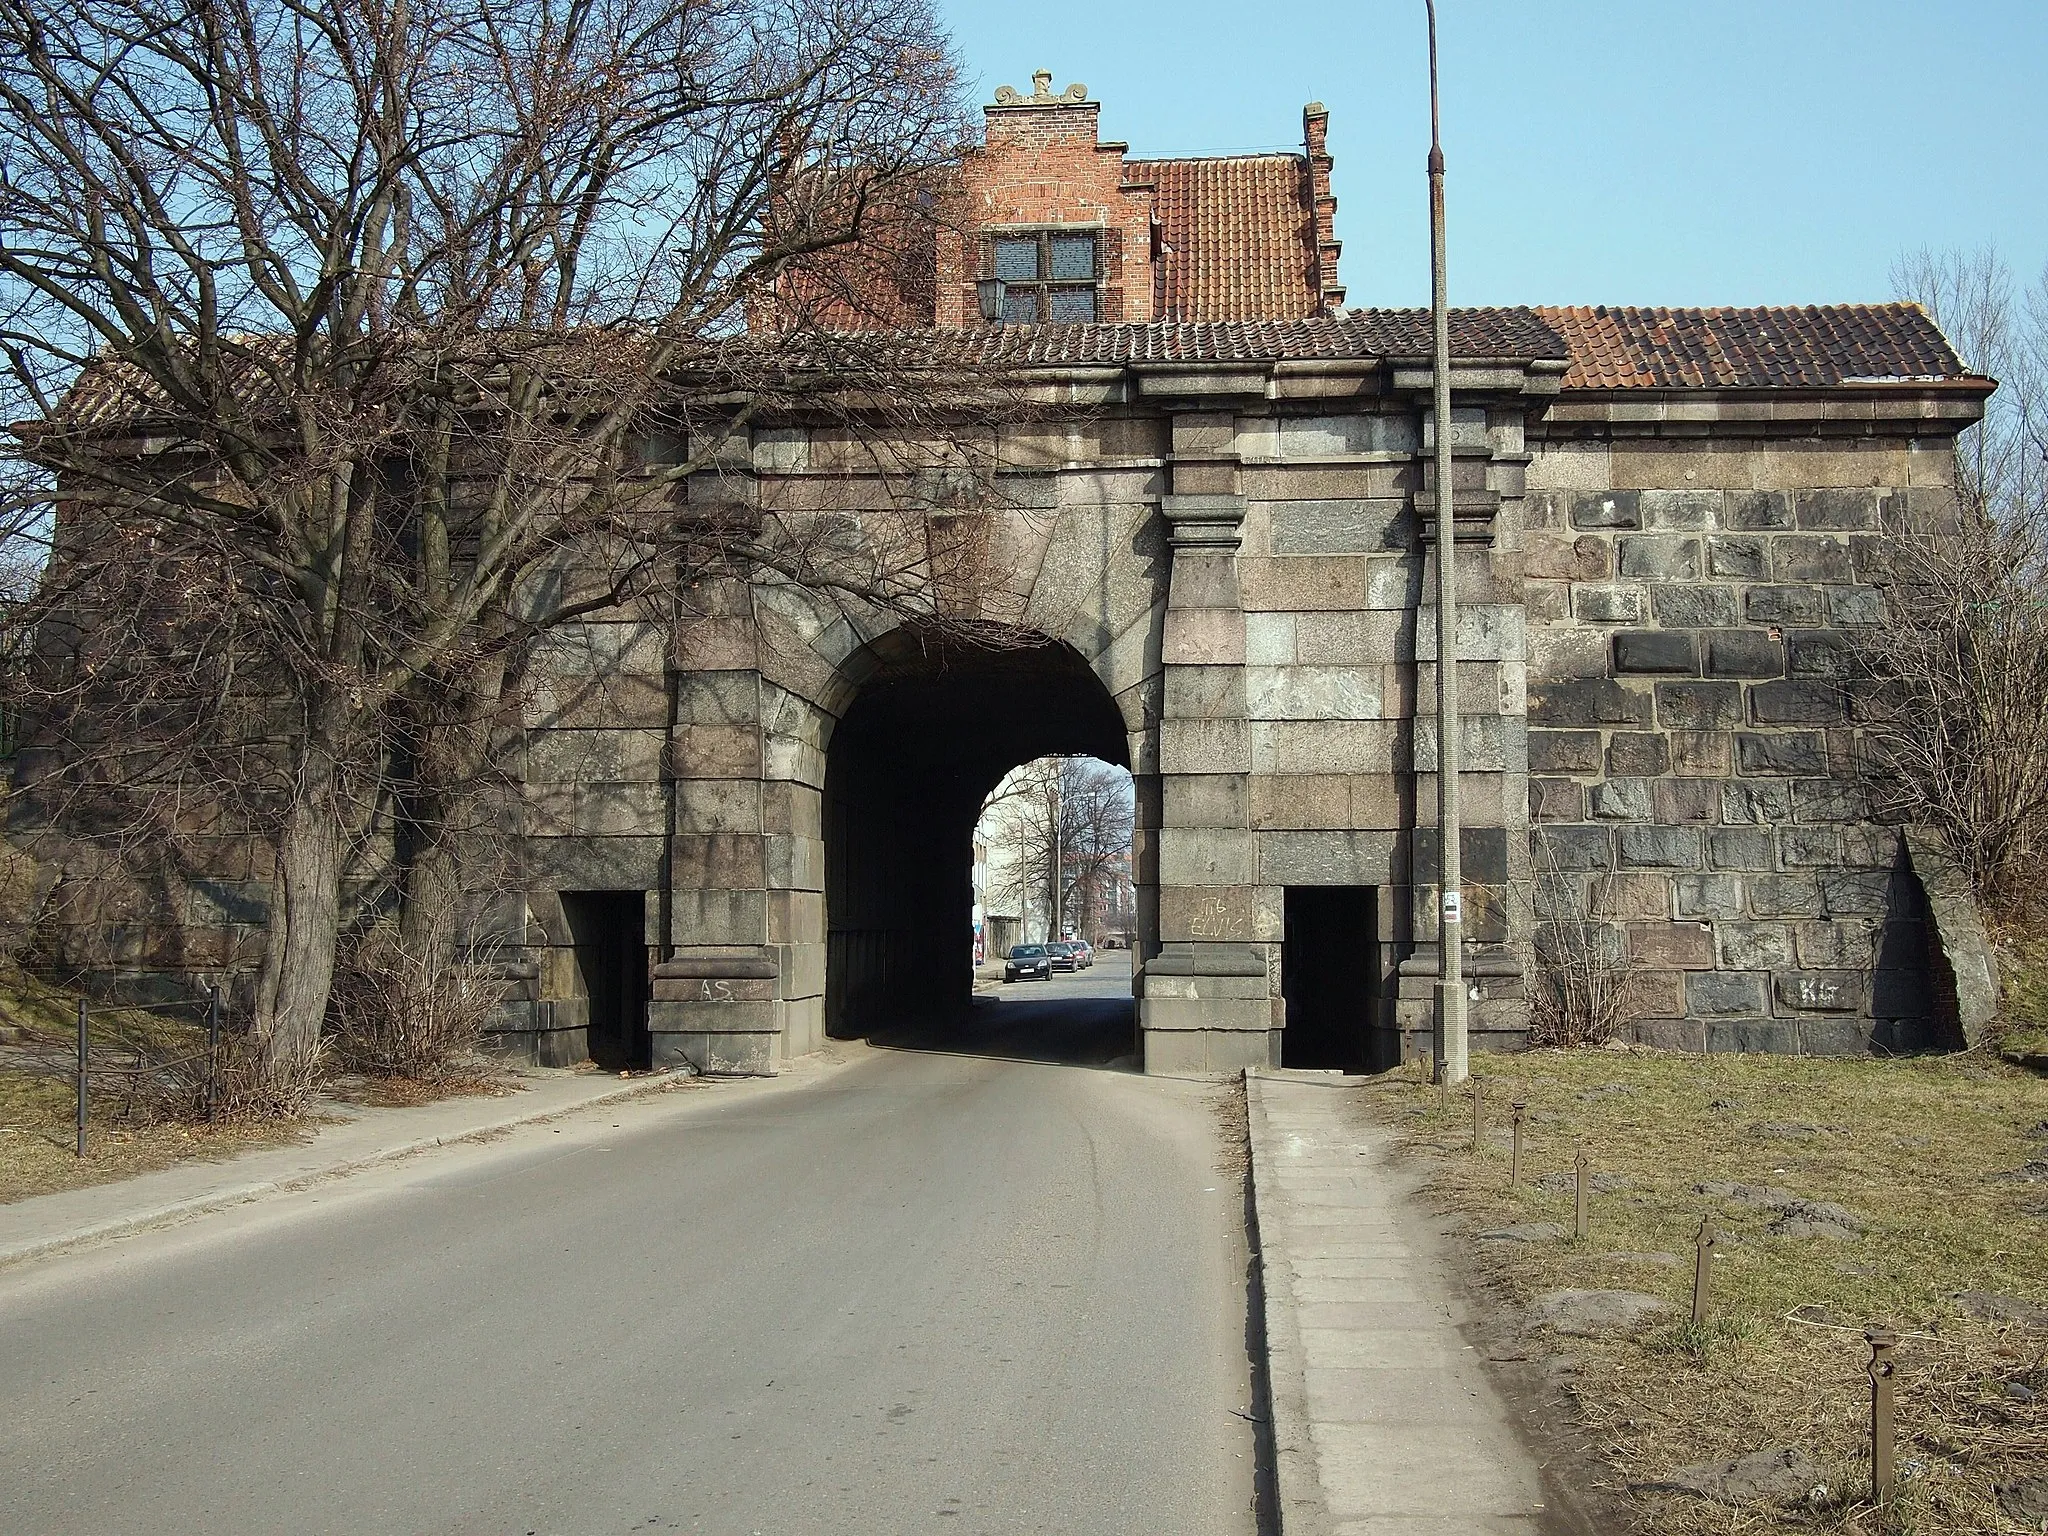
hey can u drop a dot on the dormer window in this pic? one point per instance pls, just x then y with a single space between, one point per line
1049 277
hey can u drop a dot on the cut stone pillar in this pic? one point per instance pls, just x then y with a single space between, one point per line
1490 467
1204 999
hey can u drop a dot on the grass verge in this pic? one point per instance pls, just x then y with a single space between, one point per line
1943 1160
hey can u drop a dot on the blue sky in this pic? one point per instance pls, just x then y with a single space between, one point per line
1655 152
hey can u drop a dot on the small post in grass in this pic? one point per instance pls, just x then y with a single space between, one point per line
1515 1156
1883 1476
212 1047
1579 1183
1702 1269
81 1077
1478 1116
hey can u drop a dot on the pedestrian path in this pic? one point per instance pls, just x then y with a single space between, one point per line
1384 1421
354 1138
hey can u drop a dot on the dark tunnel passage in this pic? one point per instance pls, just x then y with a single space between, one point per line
932 730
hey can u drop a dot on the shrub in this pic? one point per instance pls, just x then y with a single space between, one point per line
406 1010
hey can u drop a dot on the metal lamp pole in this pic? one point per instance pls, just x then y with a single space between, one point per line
1449 1034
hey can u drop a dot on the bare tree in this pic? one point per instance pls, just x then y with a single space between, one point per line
1960 670
356 344
1062 827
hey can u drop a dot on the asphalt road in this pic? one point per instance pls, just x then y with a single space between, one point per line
938 1286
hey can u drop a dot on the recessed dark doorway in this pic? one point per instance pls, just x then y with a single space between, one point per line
609 931
1329 975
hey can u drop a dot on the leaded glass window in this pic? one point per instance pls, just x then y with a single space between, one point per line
1050 276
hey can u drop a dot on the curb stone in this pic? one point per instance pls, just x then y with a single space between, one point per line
1298 1493
219 1199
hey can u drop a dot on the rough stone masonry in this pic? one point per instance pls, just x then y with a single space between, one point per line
1215 558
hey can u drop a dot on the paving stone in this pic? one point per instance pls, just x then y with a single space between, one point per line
1784 895
1702 754
1580 848
1756 803
1805 847
1753 1037
1822 991
1856 605
1750 946
1555 800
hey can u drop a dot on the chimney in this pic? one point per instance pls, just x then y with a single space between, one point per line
1315 132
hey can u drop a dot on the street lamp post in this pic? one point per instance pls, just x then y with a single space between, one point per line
1449 1033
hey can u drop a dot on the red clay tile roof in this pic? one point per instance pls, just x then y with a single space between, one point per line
1815 347
1240 236
1358 333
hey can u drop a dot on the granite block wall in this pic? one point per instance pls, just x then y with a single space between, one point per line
1695 798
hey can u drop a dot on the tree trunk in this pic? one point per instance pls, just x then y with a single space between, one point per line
305 925
449 820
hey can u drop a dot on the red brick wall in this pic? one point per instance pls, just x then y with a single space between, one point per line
1044 165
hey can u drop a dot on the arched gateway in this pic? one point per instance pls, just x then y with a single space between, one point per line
1216 571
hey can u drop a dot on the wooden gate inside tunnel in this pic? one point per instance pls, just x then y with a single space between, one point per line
930 733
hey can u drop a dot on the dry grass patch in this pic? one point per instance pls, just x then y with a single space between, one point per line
37 1149
141 1115
1943 1161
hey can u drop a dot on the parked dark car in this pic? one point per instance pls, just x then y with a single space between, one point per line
1063 956
1028 962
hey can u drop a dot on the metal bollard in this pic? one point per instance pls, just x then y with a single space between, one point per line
1702 1269
1883 1476
81 1077
212 1047
1515 1156
1579 1180
1478 1116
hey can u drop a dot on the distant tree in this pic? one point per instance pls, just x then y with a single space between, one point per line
355 344
1059 830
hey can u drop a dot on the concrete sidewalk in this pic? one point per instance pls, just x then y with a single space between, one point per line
1384 1421
49 1223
